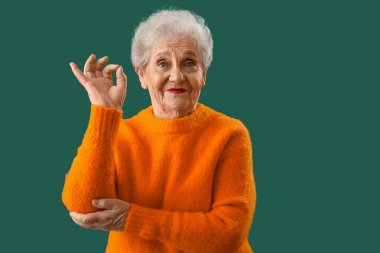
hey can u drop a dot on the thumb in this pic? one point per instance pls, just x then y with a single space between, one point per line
95 202
121 78
109 204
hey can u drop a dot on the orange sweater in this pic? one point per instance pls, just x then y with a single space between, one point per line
189 180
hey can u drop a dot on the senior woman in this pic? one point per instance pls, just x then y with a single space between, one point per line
177 176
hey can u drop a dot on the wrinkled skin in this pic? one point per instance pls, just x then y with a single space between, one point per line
96 78
113 217
173 63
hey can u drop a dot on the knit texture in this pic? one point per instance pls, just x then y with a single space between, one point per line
189 180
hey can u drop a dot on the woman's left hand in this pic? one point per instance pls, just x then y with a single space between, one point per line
113 216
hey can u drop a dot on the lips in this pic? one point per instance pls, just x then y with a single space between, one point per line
174 90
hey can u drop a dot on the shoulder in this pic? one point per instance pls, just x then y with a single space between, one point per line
229 124
231 133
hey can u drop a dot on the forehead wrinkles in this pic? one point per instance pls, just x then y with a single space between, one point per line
176 51
170 50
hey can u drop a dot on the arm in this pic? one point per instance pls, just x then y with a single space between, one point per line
225 227
92 172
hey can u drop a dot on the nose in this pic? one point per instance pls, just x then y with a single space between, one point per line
176 75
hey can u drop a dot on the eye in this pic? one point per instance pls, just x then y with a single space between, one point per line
162 64
189 64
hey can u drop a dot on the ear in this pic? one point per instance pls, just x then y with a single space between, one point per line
204 77
140 73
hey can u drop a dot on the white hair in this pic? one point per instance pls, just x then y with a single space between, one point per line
169 23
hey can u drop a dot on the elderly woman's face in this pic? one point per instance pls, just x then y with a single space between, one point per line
174 64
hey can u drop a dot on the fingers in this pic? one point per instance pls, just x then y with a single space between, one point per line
77 218
93 70
109 69
113 218
121 78
78 74
96 220
99 66
89 67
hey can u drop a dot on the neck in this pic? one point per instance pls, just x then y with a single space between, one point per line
172 113
197 119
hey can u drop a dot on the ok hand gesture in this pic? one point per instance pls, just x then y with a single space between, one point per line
99 84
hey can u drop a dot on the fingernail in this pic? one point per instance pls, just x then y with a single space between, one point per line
95 201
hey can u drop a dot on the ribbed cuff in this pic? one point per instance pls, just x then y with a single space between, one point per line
142 221
103 124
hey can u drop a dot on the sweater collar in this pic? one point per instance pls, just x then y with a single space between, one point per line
195 120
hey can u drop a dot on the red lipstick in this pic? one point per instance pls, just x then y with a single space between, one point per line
176 91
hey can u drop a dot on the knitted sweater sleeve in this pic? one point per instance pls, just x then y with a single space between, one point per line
92 172
222 229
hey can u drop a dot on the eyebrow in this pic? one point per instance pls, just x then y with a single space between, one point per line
191 53
188 52
161 54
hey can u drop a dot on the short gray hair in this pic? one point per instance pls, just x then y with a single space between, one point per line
170 23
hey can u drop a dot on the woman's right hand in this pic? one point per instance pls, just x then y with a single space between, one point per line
98 82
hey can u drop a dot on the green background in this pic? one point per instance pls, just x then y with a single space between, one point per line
303 76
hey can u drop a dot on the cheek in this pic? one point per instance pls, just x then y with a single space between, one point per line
196 80
158 81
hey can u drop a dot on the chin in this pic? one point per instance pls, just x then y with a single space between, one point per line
180 106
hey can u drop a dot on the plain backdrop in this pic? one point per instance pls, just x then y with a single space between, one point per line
303 76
